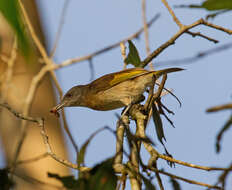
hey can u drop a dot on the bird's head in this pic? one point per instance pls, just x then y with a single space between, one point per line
72 98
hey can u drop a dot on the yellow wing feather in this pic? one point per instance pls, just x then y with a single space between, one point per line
127 75
107 81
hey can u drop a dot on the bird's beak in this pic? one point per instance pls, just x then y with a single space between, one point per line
57 108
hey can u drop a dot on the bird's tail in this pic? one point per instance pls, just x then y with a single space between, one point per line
165 71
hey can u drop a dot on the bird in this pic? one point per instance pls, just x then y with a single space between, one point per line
112 91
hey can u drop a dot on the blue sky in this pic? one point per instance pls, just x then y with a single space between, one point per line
91 25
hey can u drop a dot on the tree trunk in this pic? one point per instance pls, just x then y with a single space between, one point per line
14 93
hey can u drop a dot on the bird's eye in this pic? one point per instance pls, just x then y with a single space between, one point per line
68 95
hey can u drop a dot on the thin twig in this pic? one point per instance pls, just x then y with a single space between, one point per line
206 23
196 57
53 155
19 115
194 34
176 20
185 179
223 176
123 52
220 107
33 34
105 49
146 34
60 27
170 159
9 71
40 122
92 70
37 158
182 30
158 177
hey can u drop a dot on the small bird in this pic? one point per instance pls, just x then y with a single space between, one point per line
112 91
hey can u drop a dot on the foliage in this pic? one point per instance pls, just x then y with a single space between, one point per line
212 5
133 55
158 123
100 177
10 10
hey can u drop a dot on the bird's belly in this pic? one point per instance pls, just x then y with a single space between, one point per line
121 94
103 102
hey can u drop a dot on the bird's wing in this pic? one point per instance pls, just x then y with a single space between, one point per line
107 81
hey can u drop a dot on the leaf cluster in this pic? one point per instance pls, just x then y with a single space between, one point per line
11 11
100 177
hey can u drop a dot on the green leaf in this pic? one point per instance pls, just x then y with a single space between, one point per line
103 176
158 123
211 5
175 184
133 55
81 154
67 181
10 10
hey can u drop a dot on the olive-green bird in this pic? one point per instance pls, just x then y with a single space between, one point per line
112 91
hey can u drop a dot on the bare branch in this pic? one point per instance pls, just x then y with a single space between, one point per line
194 34
185 179
206 23
182 30
9 71
158 177
37 158
120 138
170 159
123 52
196 57
105 49
61 24
220 107
19 115
176 20
40 122
146 34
